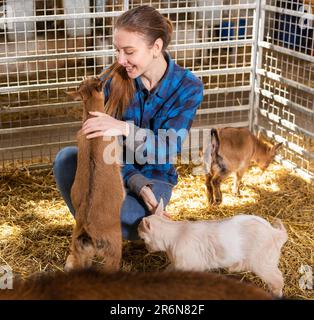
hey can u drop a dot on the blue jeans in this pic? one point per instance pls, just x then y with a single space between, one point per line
133 208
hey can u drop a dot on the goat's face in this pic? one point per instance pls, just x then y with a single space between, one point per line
146 231
89 87
265 159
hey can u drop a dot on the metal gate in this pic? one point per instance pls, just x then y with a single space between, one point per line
48 46
284 105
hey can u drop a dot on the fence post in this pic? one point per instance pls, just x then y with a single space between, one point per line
256 62
126 5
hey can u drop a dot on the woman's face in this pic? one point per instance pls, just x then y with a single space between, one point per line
133 52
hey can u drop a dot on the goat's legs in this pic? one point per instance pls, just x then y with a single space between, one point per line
273 277
111 251
216 181
217 192
237 182
82 176
82 252
209 187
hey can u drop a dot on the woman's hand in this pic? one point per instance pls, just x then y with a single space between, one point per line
104 125
151 202
149 198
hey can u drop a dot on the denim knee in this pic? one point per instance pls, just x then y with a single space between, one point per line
134 209
64 169
65 158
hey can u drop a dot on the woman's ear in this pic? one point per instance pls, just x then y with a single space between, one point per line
157 47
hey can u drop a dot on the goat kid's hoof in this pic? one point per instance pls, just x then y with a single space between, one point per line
68 268
69 264
236 193
217 202
210 201
277 293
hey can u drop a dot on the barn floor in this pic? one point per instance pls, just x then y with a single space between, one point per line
35 225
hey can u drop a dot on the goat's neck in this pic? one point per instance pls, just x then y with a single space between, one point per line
92 104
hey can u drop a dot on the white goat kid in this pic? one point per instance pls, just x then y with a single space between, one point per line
240 243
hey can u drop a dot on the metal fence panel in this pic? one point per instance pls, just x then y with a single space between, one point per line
48 46
284 109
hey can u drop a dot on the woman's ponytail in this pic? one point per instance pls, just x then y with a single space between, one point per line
122 90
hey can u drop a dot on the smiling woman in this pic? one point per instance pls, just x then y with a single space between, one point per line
145 91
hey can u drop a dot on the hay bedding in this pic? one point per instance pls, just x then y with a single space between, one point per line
36 226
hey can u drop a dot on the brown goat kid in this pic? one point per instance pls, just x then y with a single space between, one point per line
95 285
232 150
97 193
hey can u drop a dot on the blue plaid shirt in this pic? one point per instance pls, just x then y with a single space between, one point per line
171 106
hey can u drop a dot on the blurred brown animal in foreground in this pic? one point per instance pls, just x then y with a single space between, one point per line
96 285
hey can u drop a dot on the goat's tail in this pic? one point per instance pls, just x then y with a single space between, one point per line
278 224
211 151
215 142
281 230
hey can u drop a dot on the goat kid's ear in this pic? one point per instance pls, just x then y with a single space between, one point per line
100 86
277 146
160 208
75 95
261 136
146 224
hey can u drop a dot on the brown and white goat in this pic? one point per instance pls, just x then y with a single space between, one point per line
231 151
91 284
240 243
97 193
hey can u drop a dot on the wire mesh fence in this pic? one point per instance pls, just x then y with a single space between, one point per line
285 84
46 47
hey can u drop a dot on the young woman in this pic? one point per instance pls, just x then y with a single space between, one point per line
144 90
